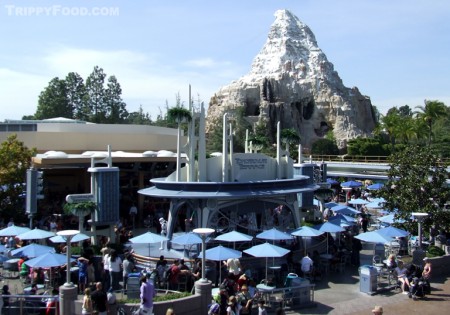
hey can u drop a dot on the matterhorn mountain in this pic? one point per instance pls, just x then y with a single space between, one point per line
292 81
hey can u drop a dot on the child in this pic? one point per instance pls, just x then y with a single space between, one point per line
261 308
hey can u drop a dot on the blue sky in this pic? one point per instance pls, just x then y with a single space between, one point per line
395 52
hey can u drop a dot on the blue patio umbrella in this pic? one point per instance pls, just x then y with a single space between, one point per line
390 219
187 239
220 253
13 230
345 210
306 231
48 260
2 248
148 238
35 234
329 228
374 237
341 222
374 205
332 181
391 231
351 184
77 238
267 250
376 186
358 201
274 235
331 204
343 216
234 236
32 250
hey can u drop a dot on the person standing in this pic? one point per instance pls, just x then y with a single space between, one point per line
163 231
115 265
128 267
133 213
100 299
147 294
82 273
106 268
86 308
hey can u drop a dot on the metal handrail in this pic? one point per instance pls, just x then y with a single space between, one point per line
29 304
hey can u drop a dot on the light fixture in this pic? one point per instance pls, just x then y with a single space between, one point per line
68 234
420 216
203 232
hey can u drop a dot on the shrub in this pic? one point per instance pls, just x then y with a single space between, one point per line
434 251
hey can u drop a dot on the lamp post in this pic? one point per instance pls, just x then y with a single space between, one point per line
203 232
68 234
420 216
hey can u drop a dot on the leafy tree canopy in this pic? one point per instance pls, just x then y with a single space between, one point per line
417 183
15 159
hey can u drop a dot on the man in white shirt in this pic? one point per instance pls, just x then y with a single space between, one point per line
307 264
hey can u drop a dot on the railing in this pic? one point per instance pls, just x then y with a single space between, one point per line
349 158
30 304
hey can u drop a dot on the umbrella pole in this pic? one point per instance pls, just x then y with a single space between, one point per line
304 245
267 280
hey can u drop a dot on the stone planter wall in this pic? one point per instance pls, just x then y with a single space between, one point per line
440 266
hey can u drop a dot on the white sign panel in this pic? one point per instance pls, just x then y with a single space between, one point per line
80 198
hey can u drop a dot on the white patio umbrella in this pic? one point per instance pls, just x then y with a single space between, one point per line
35 234
266 250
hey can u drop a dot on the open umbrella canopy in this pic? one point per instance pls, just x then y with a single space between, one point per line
376 186
187 239
220 252
373 237
2 248
332 181
306 231
234 236
391 231
32 250
77 238
340 222
342 216
329 227
331 204
274 235
390 219
374 205
267 250
358 201
35 234
351 184
48 260
13 230
345 210
148 238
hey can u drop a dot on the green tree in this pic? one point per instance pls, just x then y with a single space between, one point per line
15 159
76 96
53 101
429 114
96 95
325 147
416 183
114 107
139 117
289 137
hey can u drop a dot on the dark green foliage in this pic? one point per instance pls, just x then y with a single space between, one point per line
416 183
434 251
15 159
366 147
53 101
325 147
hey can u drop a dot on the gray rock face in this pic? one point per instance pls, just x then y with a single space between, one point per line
292 81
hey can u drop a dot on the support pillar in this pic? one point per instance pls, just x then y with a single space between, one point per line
67 298
203 288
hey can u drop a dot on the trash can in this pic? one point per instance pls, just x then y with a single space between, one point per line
301 291
368 279
289 277
133 288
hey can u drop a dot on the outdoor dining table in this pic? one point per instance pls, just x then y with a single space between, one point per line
265 291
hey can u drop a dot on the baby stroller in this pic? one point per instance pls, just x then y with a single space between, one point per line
418 288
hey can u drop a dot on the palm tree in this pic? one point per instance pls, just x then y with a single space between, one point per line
432 111
390 124
180 115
